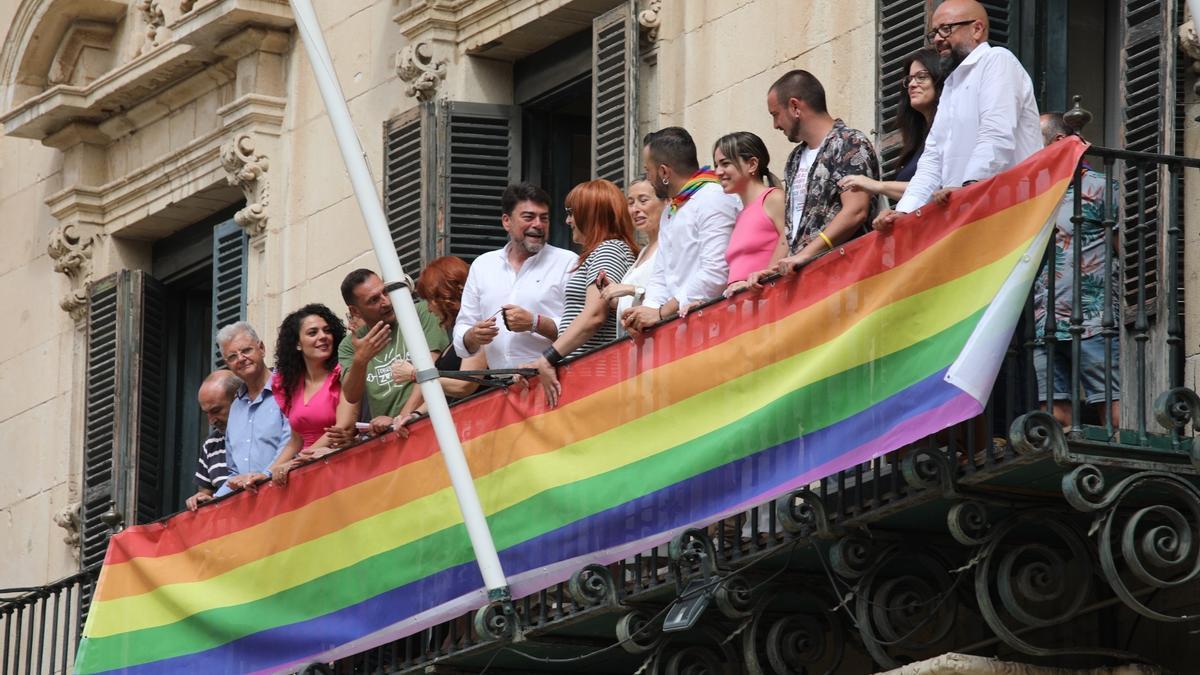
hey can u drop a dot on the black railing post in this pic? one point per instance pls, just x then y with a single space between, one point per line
1174 320
1141 324
1108 322
1050 323
1076 321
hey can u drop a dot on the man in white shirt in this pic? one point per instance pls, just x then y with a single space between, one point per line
987 118
513 297
690 265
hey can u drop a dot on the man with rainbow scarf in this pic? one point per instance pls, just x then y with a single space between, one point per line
690 266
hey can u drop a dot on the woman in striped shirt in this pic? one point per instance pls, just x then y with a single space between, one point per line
601 226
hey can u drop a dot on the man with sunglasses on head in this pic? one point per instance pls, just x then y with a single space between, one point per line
513 297
987 119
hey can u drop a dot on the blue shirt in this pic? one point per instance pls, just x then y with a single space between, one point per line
255 434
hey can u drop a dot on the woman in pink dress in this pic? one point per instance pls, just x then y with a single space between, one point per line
307 385
740 161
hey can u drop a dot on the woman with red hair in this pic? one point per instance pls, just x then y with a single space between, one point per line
601 225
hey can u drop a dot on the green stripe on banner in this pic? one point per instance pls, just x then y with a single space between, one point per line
820 404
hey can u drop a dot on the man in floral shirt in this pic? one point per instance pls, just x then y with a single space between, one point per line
1095 268
818 214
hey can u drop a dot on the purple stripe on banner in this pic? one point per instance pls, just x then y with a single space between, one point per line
741 481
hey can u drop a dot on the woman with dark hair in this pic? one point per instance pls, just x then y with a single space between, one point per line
741 161
600 223
923 79
307 385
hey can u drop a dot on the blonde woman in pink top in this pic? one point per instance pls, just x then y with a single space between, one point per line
740 161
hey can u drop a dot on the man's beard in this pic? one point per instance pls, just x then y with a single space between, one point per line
952 60
532 248
660 188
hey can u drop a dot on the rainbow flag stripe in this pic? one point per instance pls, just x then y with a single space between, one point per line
871 347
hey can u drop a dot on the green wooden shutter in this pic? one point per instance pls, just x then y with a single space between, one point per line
478 156
1004 23
147 356
902 26
614 90
403 188
101 462
231 248
1143 72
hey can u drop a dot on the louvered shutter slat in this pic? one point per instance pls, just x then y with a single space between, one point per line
614 117
480 149
231 248
403 189
902 26
100 418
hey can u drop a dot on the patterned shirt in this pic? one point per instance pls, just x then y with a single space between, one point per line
211 470
1092 271
844 152
615 258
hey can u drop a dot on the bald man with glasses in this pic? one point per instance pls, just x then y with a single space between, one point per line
987 119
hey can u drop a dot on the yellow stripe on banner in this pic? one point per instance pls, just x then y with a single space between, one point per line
921 316
611 448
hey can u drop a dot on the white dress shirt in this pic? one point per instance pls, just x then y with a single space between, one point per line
986 122
690 264
492 283
639 277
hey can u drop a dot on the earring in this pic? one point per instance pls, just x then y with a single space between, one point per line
666 182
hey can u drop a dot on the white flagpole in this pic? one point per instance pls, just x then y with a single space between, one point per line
406 312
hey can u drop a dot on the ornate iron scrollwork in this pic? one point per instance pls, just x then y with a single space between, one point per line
1177 408
906 602
968 523
926 468
496 621
735 597
637 634
592 586
683 655
1150 522
803 513
1037 432
795 632
1042 582
852 556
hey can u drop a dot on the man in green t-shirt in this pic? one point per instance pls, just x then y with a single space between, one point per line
368 354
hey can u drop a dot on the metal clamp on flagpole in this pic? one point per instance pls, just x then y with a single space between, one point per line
497 617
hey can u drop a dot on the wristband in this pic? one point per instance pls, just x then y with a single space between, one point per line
268 474
537 321
825 238
552 355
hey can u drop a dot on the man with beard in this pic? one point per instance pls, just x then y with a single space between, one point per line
987 119
818 214
514 296
216 395
257 429
690 266
370 355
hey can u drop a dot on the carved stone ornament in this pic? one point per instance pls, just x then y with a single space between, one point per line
650 20
1189 44
416 66
68 519
157 32
71 248
247 169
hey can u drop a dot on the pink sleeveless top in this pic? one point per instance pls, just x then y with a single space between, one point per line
753 240
311 418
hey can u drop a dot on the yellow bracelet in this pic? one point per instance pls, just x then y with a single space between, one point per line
824 237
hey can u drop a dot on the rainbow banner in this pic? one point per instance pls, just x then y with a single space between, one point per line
882 342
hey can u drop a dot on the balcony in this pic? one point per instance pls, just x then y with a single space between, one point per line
1006 535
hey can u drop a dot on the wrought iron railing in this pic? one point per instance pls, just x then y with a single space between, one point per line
41 625
851 558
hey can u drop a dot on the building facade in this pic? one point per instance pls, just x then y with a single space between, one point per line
167 167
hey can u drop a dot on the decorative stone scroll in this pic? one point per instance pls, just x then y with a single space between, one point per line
247 169
68 519
650 20
71 247
416 65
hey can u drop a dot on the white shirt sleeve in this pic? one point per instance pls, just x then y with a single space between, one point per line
657 292
468 313
928 178
711 271
999 110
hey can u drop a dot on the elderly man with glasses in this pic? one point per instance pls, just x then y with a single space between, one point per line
257 429
987 118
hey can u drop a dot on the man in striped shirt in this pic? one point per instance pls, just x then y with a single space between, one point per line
216 395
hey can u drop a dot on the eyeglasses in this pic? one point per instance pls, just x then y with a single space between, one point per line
243 353
943 31
920 77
